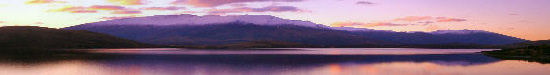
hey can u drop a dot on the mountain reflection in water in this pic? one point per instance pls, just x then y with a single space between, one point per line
279 64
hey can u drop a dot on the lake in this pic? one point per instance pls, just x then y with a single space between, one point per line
281 61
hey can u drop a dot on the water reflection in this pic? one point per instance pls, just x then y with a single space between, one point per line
279 64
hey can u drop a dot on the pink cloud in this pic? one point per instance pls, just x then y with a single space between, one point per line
43 2
126 12
426 22
92 9
413 18
84 11
68 8
115 9
106 7
382 24
214 3
127 2
171 8
445 19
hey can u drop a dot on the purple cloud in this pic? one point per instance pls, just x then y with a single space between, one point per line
365 3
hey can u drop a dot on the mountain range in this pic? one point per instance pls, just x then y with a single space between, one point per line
220 30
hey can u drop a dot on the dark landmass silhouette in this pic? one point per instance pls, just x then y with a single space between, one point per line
536 51
30 37
30 42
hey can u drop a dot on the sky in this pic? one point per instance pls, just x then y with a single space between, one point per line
526 19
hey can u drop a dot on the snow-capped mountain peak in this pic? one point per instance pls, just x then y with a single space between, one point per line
266 20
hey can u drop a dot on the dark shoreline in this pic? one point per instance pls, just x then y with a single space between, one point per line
520 54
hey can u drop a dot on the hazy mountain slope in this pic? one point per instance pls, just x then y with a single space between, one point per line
46 38
444 37
227 33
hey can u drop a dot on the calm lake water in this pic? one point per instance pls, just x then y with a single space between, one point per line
282 61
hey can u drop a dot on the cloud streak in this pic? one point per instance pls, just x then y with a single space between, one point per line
127 2
84 11
43 1
106 7
426 22
413 18
427 19
365 3
382 24
214 3
127 12
91 9
73 9
171 8
445 19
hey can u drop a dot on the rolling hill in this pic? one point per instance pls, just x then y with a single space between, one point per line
30 37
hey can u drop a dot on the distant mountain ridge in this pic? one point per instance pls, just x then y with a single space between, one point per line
477 37
216 30
228 33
